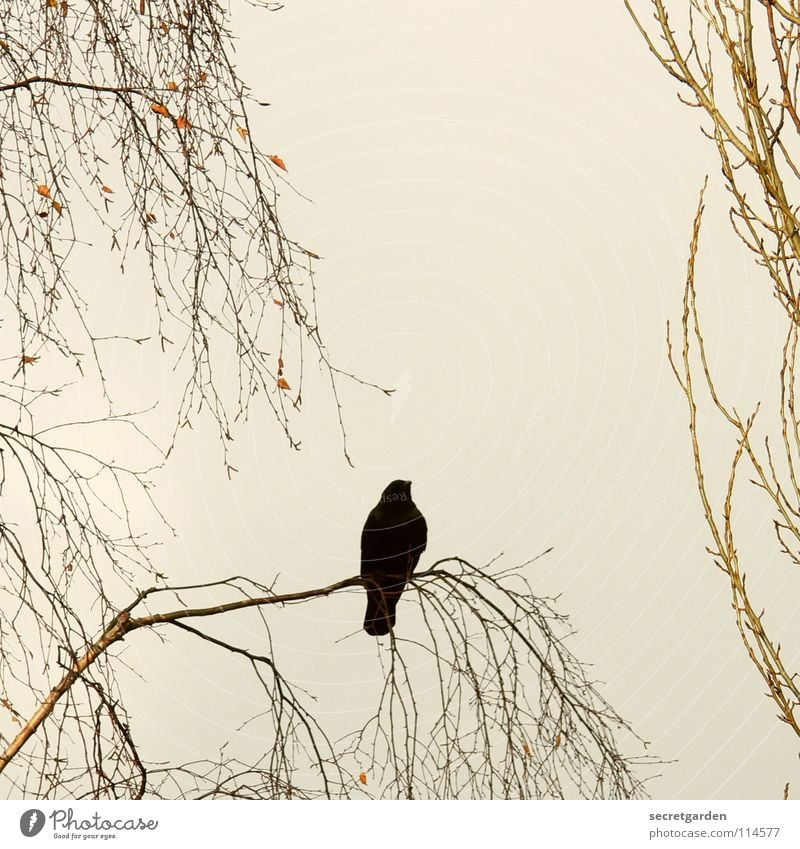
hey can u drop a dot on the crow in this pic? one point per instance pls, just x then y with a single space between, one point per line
394 536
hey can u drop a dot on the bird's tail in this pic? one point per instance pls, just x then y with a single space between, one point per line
380 616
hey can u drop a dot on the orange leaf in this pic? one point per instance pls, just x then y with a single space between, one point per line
363 778
243 132
527 749
172 86
282 384
164 27
558 740
203 77
277 302
160 109
43 190
107 190
57 207
183 123
52 3
280 363
28 361
278 161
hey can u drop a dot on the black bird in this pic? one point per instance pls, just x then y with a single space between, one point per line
394 537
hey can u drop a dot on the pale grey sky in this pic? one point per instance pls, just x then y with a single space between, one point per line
502 193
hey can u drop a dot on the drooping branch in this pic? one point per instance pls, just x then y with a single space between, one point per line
757 146
131 126
739 59
498 650
124 623
763 651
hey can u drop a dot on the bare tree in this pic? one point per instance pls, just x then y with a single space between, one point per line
738 63
134 114
514 717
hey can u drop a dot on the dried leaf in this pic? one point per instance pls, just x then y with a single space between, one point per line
6 704
363 778
43 214
558 740
527 749
52 3
107 190
203 77
277 161
15 719
280 363
43 190
183 123
57 207
141 7
164 27
282 384
277 302
151 218
64 8
28 360
243 132
160 109
172 86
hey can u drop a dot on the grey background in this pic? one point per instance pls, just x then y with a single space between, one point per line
502 193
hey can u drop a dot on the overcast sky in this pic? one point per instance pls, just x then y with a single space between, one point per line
502 193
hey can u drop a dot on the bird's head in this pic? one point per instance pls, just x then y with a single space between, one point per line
397 491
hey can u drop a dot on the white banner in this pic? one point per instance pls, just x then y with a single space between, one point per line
363 825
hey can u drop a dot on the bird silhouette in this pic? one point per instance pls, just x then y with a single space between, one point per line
394 536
